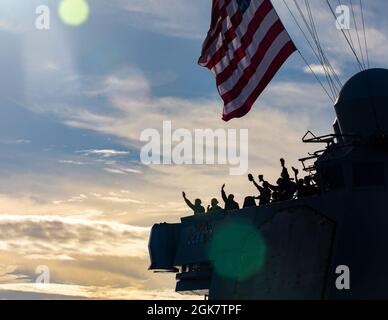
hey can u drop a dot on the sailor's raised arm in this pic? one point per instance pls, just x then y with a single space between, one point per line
272 187
250 178
188 202
296 172
223 194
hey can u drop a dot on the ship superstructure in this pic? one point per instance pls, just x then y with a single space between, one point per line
292 249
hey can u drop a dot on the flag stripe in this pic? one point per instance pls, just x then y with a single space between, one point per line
228 36
242 110
242 29
243 55
266 64
215 29
214 35
230 13
245 47
233 86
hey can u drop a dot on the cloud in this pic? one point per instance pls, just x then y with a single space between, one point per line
71 291
125 104
5 25
16 141
319 69
121 200
122 171
76 163
280 118
181 18
91 258
58 237
104 152
84 277
9 26
115 171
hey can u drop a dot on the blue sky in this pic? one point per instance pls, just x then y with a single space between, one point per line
73 101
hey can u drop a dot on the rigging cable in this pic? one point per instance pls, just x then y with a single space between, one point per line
316 77
358 36
365 40
347 29
312 48
350 39
343 32
322 57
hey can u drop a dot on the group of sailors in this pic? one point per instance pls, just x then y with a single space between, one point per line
286 188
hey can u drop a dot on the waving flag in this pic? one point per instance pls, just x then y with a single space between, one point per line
245 47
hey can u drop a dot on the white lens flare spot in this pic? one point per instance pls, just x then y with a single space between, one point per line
74 12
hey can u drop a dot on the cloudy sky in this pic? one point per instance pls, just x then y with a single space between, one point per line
73 101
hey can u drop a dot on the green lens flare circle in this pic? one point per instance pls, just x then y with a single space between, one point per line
237 251
74 12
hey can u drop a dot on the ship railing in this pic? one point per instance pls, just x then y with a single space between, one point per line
310 168
329 139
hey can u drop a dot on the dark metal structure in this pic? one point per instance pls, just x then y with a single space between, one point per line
301 242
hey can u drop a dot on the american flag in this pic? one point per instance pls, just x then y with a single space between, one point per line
245 47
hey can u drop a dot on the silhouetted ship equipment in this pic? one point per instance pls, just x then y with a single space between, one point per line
292 249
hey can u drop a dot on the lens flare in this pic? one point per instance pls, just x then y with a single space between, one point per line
237 250
74 12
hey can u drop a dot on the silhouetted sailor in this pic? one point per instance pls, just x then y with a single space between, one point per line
300 189
287 187
284 190
249 202
277 190
305 187
197 207
300 186
265 194
230 204
265 191
214 208
276 197
296 172
284 173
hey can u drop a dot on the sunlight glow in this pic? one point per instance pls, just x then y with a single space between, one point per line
74 12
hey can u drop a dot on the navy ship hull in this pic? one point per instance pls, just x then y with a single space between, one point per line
332 245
